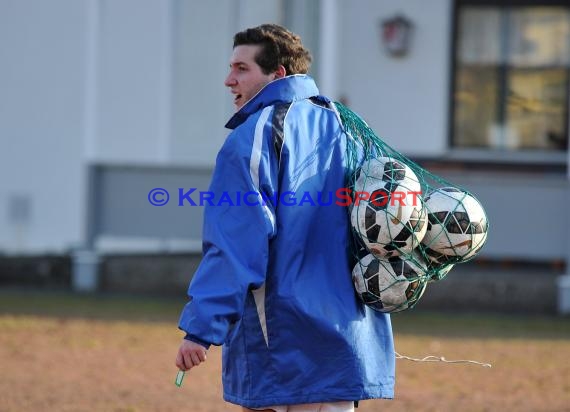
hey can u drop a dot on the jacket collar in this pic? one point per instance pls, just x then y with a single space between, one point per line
285 90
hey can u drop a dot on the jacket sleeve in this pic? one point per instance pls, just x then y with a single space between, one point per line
237 228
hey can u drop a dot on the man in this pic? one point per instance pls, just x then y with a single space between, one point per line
274 285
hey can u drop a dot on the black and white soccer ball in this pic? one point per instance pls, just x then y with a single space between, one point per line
389 285
388 212
457 226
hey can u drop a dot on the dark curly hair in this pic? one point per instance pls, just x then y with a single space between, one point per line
280 47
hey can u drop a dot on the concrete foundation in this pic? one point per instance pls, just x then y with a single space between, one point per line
563 285
474 286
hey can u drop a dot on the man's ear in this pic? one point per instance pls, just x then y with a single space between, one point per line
280 72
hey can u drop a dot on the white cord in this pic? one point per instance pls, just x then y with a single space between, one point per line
432 358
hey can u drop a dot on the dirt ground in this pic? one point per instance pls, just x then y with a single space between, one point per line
55 362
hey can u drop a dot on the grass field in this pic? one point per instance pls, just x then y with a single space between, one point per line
61 352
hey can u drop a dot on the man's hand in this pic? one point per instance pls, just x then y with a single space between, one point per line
190 354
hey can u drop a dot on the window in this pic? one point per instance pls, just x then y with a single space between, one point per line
511 83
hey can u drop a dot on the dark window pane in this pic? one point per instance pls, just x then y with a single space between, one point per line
479 36
536 107
476 106
538 37
511 79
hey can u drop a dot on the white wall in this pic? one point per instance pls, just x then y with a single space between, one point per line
405 100
202 49
129 82
135 82
41 98
250 13
133 72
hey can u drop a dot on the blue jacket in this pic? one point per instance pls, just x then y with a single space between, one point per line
274 285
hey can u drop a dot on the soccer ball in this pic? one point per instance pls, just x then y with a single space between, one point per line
388 212
390 285
457 226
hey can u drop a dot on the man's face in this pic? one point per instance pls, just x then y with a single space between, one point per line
246 77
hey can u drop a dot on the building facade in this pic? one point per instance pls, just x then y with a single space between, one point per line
103 101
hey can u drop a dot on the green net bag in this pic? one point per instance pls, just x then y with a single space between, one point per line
409 226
